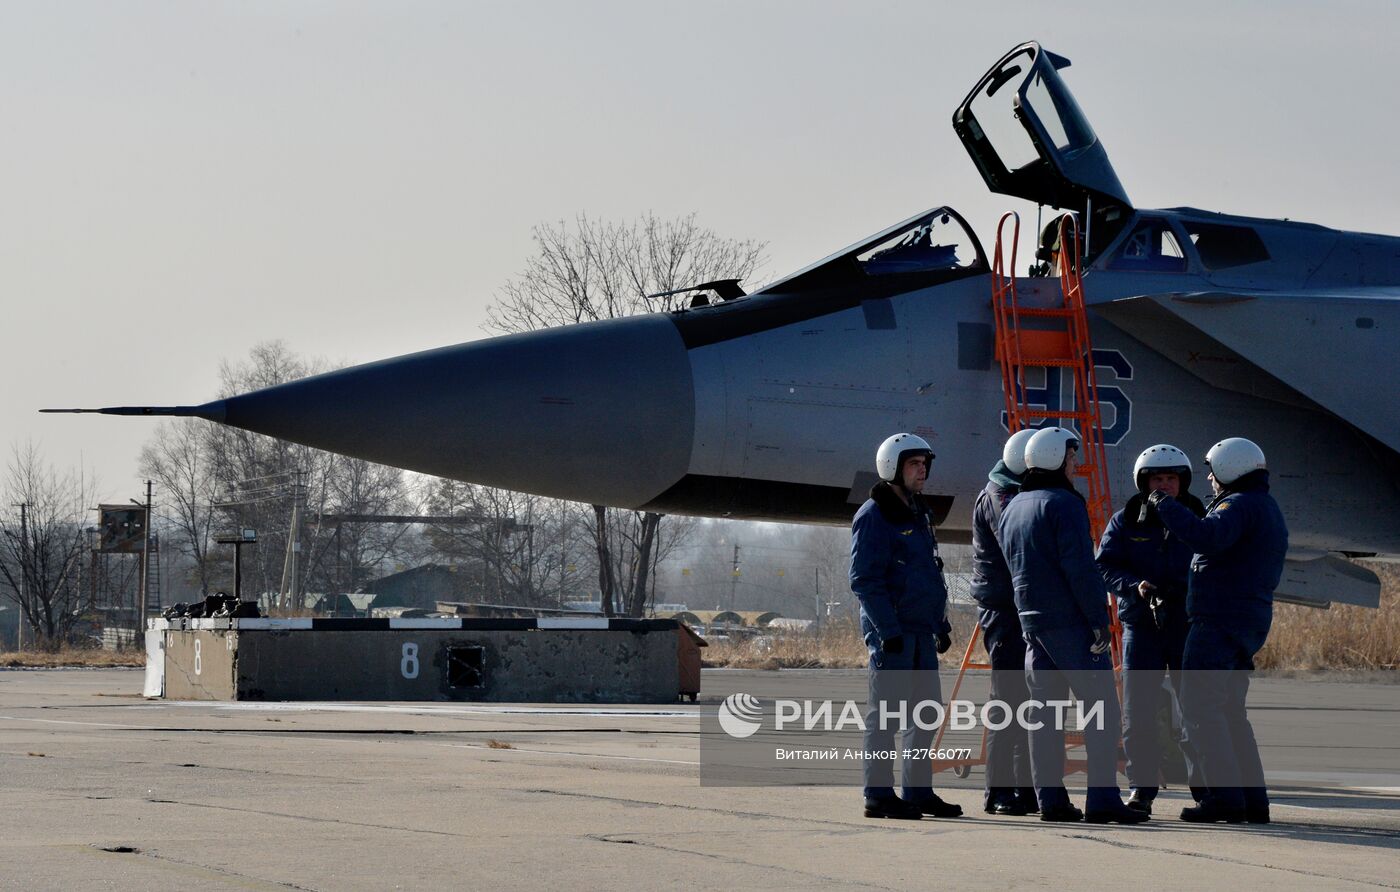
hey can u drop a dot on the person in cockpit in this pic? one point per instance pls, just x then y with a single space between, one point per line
1048 251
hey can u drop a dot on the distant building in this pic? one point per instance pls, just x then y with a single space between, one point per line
421 587
791 625
342 604
9 627
728 621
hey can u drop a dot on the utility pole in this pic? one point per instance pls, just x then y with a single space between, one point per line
655 561
145 565
817 590
734 580
94 543
290 592
296 541
23 574
563 531
245 536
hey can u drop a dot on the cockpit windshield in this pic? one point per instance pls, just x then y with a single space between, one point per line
934 242
936 246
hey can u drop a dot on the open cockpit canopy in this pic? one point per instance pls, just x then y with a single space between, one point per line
1029 139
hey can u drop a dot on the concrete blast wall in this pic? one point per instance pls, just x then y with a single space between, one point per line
549 660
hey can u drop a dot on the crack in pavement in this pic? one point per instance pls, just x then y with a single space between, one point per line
1223 859
509 729
281 884
311 818
915 827
898 827
205 868
729 859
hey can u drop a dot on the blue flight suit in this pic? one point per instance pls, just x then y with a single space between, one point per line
1061 600
897 575
1137 547
1239 551
1008 749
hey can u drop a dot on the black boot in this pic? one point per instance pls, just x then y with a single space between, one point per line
995 796
1257 815
933 806
1118 813
1058 814
1010 807
1211 811
1137 802
891 807
1025 798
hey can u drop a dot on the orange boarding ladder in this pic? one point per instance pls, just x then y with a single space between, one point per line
1057 338
1047 337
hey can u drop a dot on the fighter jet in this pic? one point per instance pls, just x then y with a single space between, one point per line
768 406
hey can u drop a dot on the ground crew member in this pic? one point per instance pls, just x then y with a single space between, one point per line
1146 567
897 575
1239 551
1062 603
1009 790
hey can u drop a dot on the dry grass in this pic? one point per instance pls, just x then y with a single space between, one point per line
500 745
838 646
1301 638
1341 637
92 658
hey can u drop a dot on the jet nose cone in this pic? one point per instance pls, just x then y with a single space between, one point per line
600 412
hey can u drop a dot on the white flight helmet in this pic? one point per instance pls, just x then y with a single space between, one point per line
1013 454
1161 459
1046 450
1232 458
890 457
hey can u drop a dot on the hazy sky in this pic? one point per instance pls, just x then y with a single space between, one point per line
184 180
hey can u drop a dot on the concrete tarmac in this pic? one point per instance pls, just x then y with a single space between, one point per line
103 789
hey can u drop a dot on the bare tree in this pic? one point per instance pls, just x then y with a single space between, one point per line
828 551
259 478
350 554
176 458
524 549
43 537
601 270
633 544
214 477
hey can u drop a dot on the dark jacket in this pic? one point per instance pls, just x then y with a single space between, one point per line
895 569
1132 551
1239 550
1044 534
991 580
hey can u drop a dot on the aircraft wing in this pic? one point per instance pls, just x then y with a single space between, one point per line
1335 349
1321 579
